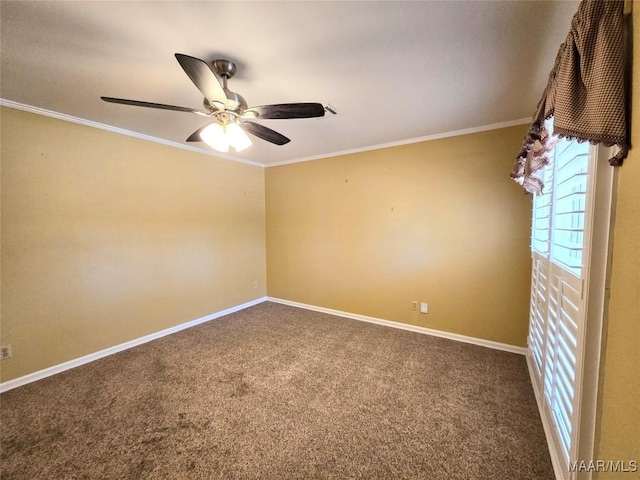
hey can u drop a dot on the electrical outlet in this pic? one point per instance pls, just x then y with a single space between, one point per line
5 352
424 308
255 284
414 305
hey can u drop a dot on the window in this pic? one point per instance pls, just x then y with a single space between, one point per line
557 308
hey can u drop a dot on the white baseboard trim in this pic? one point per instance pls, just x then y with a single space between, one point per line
547 427
404 326
47 372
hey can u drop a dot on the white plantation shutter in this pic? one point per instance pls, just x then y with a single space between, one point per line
569 204
557 311
538 310
564 328
541 224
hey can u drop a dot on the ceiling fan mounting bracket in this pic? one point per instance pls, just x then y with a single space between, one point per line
224 68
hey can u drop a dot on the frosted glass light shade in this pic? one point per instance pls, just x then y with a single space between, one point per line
220 137
215 136
238 139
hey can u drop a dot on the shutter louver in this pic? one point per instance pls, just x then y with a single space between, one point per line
538 311
541 224
570 189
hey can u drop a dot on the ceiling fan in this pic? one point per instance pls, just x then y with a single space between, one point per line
232 117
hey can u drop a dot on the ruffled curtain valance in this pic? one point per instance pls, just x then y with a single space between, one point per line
586 91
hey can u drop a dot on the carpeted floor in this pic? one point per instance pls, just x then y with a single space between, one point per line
275 392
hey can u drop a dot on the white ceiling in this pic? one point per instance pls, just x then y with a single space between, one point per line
394 70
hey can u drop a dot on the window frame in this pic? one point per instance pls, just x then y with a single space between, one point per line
591 286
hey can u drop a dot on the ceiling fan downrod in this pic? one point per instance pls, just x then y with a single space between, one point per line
225 68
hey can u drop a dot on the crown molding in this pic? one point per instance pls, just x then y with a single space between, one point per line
149 138
121 131
427 138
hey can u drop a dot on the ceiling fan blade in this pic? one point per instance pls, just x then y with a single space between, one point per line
264 133
287 110
195 136
162 106
203 77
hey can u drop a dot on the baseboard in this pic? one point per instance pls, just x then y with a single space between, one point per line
547 427
47 372
404 326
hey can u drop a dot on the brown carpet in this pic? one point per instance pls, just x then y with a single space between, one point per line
275 392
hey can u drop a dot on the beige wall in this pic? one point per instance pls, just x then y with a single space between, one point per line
619 423
437 222
107 238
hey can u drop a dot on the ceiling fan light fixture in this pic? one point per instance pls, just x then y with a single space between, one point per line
220 137
237 137
215 136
